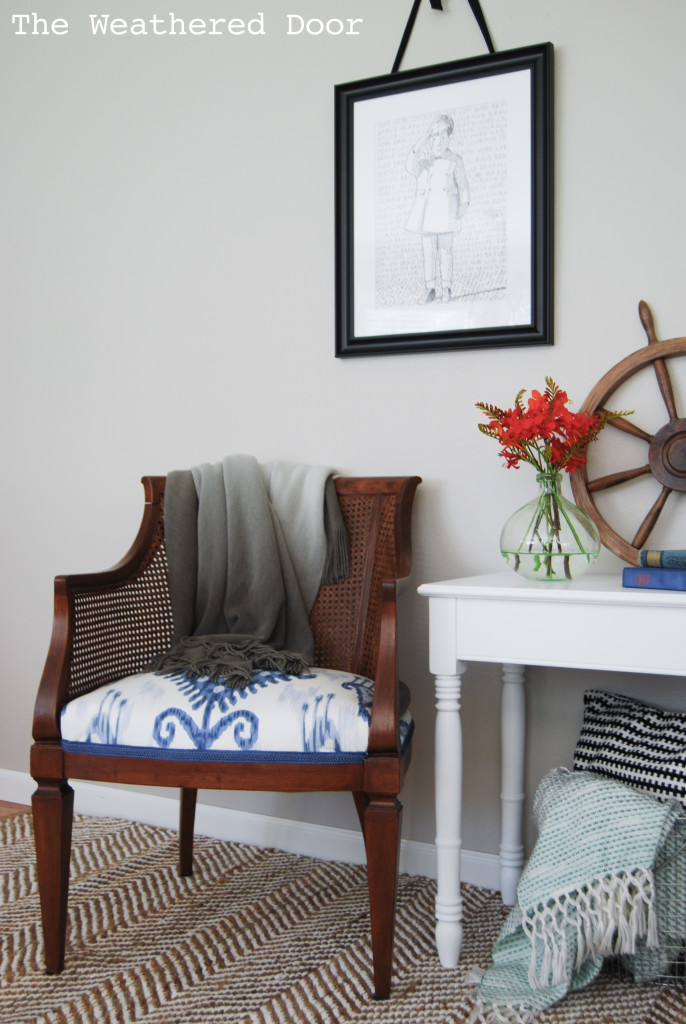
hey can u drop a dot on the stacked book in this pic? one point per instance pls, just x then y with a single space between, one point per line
657 570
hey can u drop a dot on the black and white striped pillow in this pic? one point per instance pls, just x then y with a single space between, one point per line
633 742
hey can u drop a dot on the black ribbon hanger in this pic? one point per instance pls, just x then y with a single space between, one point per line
438 6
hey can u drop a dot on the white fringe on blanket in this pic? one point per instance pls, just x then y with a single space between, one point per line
609 915
483 1014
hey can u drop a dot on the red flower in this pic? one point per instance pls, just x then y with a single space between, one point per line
545 433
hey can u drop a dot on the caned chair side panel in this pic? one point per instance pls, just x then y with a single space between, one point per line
119 628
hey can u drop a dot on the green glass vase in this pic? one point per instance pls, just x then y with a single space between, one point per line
550 538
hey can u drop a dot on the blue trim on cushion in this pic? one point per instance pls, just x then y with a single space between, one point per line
226 756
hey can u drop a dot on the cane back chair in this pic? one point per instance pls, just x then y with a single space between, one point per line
109 625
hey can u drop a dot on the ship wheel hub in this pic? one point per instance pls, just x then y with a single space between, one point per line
668 455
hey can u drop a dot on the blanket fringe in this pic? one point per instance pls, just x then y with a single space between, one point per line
609 916
225 658
482 1014
473 977
487 1014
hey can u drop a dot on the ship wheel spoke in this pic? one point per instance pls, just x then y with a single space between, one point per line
648 524
619 423
665 385
612 479
661 372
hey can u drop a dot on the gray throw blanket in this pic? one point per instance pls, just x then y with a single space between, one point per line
248 547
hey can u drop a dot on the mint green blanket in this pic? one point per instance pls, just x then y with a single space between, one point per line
587 892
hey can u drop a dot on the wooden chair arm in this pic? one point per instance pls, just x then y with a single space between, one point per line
54 681
392 697
384 726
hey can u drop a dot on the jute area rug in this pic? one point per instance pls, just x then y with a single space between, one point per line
254 937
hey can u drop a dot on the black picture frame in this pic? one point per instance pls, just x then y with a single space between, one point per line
406 145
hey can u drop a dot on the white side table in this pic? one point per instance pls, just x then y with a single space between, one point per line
479 619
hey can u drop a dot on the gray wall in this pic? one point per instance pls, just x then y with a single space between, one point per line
168 298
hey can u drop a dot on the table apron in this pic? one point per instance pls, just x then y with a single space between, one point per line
625 639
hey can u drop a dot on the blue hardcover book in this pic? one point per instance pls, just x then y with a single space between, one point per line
662 559
654 579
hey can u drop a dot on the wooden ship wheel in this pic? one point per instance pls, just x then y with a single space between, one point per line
666 454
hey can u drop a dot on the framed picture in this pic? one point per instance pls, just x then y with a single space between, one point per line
444 225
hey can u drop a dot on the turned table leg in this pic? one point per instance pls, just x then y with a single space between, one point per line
512 793
448 816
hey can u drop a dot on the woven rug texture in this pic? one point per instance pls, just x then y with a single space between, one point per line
255 936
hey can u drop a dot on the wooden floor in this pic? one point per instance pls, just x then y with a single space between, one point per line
7 808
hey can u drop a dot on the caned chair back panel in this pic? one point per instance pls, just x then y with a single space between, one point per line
346 617
120 623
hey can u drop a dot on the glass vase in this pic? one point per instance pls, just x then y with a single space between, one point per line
550 538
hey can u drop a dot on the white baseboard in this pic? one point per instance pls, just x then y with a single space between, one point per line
300 837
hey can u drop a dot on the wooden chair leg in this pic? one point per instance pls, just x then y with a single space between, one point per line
53 806
186 826
361 801
382 839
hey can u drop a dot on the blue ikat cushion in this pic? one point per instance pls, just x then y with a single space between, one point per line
321 716
638 744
